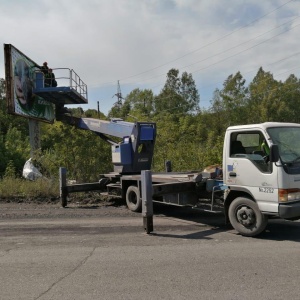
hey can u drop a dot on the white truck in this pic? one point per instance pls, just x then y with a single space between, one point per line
260 185
257 182
259 179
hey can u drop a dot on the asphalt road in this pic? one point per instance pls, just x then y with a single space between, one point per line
47 252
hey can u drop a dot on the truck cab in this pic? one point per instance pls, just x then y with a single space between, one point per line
261 167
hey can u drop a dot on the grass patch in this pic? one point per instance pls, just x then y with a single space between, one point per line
11 188
47 191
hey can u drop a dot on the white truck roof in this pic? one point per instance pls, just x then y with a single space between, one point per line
263 125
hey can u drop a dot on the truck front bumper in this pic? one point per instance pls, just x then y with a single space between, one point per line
289 210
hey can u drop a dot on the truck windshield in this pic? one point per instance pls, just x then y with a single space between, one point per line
288 141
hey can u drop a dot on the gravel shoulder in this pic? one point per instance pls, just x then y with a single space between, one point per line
95 208
51 208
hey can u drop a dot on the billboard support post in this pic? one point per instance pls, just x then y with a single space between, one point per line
34 136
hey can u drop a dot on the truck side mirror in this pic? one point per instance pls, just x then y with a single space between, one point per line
274 153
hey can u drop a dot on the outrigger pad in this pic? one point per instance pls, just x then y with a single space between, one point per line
60 95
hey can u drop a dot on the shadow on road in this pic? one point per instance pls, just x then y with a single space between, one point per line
189 214
204 234
277 229
281 230
209 223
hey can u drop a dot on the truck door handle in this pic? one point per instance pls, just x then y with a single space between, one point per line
232 174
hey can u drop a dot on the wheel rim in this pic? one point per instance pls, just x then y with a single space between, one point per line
132 198
245 215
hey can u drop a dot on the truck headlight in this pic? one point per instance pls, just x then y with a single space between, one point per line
286 195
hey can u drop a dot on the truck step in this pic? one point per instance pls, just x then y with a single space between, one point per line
110 195
113 186
207 208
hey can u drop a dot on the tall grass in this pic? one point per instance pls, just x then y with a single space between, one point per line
11 187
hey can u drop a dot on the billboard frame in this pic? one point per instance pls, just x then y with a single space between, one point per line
20 77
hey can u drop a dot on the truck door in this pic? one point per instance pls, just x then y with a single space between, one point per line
248 168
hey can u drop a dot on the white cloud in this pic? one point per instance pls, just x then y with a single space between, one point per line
109 40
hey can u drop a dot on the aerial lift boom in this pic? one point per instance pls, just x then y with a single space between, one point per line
133 152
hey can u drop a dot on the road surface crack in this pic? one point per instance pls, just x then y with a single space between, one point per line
68 274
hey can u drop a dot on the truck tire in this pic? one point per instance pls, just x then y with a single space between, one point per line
133 200
246 218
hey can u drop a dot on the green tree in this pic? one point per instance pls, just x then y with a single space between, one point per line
82 152
166 140
7 120
177 141
17 148
92 113
235 97
2 89
140 102
179 94
77 112
10 171
14 142
265 98
291 97
3 154
120 111
219 118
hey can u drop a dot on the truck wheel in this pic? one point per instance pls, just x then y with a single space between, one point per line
133 200
246 218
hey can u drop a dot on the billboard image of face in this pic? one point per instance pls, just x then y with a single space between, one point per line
20 80
23 84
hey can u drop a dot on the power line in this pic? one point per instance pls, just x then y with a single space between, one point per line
209 44
255 70
245 49
196 71
231 49
236 46
226 58
278 61
274 75
222 60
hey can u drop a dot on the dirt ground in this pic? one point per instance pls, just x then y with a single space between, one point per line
98 249
85 206
91 205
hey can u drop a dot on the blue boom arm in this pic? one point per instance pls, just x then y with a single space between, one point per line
135 151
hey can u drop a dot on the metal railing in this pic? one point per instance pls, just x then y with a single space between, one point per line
66 77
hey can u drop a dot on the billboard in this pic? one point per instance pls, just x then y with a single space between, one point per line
20 76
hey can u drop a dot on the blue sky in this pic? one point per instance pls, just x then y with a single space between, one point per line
138 41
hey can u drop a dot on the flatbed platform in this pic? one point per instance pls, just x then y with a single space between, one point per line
168 177
60 95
